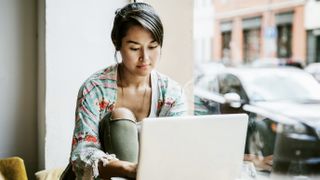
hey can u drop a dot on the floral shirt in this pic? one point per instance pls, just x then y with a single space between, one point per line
97 96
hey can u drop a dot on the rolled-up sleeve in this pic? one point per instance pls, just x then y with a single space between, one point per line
86 147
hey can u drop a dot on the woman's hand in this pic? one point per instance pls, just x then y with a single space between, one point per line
117 168
260 163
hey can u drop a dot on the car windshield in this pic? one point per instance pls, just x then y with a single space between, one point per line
281 85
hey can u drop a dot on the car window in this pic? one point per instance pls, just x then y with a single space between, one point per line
230 83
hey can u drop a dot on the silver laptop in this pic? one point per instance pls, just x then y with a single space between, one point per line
196 147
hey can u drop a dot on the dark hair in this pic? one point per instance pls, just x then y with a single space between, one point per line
136 14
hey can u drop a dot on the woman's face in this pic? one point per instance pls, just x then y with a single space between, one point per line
139 51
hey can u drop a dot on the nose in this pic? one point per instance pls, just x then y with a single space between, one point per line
144 55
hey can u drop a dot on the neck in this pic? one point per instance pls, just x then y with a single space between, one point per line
126 79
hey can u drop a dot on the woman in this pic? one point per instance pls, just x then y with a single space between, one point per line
112 102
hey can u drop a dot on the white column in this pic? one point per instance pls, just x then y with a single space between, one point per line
177 52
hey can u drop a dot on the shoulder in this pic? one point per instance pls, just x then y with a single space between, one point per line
108 73
165 82
100 80
171 100
169 89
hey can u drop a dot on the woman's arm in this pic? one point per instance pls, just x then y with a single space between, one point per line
87 156
86 147
117 168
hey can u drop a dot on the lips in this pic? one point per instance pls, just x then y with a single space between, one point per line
143 66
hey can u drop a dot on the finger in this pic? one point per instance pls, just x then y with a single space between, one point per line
269 157
268 168
270 163
264 167
269 160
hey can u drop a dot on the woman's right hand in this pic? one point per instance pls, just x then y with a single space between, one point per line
260 163
118 168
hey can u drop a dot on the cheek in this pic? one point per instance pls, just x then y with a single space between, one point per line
127 55
156 55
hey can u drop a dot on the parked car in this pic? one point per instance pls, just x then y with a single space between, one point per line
283 101
277 62
314 70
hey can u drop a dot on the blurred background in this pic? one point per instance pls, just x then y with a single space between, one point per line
238 32
262 57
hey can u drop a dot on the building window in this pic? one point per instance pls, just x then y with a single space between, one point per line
284 29
251 46
226 51
226 37
251 39
284 40
318 49
313 46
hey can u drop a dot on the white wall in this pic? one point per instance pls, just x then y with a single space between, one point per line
18 81
77 43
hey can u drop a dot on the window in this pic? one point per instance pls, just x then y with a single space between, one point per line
226 51
251 39
318 49
251 46
284 28
229 83
313 46
284 41
226 37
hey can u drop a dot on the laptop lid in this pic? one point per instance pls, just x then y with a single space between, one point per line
195 147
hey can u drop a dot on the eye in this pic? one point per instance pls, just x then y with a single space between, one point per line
134 49
153 46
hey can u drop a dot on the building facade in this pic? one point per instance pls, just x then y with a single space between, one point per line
312 25
247 30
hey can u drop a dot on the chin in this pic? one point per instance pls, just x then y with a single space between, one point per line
144 72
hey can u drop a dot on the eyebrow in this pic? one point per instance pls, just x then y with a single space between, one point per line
134 42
